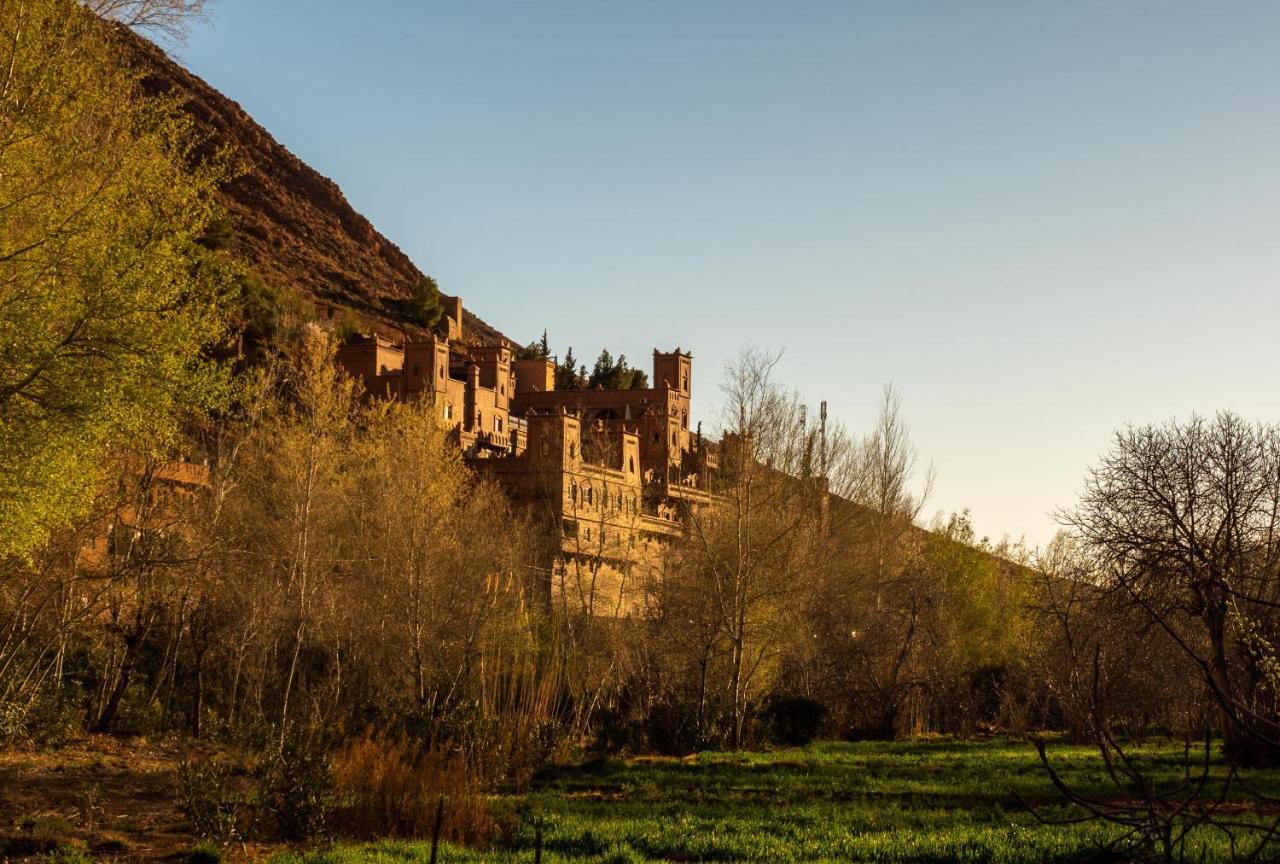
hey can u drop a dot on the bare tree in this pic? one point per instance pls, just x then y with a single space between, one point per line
1184 522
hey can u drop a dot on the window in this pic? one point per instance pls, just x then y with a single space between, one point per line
684 422
573 492
686 382
417 370
448 410
442 372
631 464
657 437
497 423
572 449
591 495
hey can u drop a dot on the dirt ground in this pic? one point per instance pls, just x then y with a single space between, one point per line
113 798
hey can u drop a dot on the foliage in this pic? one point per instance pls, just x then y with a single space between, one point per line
616 375
295 789
204 853
207 799
539 349
793 720
424 305
569 376
391 786
107 300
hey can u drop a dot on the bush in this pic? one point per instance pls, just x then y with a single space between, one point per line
295 790
672 729
206 798
24 843
65 855
52 718
793 721
392 787
205 853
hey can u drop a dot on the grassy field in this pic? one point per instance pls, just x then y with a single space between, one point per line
933 801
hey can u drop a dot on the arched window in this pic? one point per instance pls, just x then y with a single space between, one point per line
591 495
573 491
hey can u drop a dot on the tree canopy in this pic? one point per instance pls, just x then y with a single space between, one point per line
107 301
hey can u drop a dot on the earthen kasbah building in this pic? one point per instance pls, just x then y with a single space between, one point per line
613 474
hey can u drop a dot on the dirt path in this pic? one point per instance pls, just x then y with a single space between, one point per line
114 798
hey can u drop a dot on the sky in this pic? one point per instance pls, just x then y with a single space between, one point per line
1038 222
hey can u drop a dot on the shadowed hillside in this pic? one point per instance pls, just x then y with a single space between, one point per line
293 225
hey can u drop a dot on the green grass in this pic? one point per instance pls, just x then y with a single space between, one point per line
936 801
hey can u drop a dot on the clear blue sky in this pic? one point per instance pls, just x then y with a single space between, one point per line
1040 221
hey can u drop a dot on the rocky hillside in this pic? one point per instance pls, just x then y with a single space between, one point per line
293 225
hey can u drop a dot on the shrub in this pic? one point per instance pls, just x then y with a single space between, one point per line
206 798
50 719
295 790
26 842
205 853
392 786
793 720
107 843
65 855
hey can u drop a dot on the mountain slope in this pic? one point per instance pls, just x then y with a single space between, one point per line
292 224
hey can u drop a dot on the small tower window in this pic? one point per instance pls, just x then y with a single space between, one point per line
448 410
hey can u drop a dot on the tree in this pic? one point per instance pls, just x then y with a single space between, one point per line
292 518
611 375
539 349
107 301
1182 521
568 377
425 308
749 553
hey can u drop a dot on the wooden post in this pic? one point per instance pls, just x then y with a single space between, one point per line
435 830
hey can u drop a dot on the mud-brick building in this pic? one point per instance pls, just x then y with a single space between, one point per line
613 474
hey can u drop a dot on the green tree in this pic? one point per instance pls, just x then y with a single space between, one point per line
568 376
424 303
539 349
107 299
612 375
